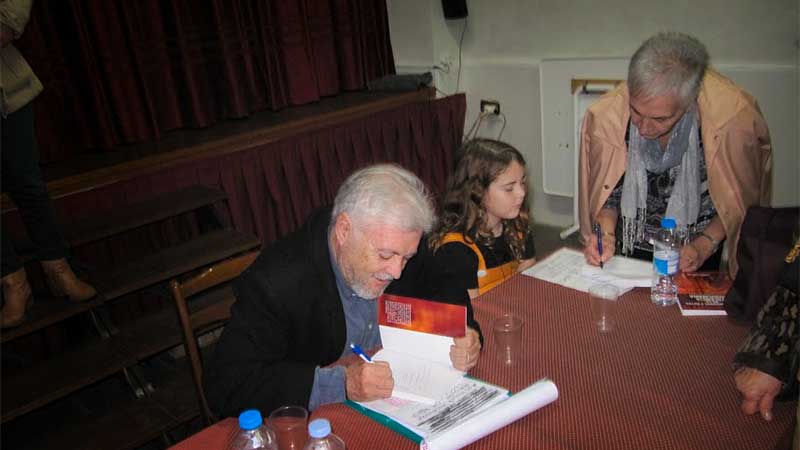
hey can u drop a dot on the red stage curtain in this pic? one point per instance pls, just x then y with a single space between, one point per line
118 72
271 187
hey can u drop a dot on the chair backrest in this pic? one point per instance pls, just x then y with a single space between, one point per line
212 310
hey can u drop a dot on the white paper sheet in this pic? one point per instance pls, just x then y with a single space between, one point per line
569 268
419 380
427 346
539 394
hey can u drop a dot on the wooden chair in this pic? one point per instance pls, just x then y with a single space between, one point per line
210 309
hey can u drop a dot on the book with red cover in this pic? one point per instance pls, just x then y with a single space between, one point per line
416 335
702 293
424 316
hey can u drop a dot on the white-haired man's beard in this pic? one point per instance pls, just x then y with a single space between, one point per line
364 284
370 286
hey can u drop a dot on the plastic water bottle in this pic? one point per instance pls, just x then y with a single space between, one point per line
666 255
253 433
321 437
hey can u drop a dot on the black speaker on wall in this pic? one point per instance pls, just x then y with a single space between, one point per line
455 9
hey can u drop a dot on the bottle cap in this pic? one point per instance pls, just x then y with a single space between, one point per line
250 419
667 222
319 428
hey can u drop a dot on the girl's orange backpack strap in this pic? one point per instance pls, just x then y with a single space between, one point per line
459 237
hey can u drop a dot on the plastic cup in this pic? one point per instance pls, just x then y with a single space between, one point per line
290 426
604 306
507 331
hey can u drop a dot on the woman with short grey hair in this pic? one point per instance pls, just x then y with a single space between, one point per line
677 140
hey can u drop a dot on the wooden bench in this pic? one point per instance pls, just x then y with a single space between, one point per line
36 386
131 423
136 421
46 381
139 274
120 220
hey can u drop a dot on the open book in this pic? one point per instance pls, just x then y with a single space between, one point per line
416 335
433 403
702 293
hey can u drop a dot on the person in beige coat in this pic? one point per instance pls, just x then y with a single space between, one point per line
22 178
677 140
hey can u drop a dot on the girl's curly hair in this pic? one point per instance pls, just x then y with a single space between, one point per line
480 161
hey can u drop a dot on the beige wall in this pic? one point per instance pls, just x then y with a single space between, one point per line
753 41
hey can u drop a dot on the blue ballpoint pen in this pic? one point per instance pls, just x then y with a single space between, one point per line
357 350
599 234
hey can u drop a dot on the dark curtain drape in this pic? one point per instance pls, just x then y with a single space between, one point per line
123 71
271 189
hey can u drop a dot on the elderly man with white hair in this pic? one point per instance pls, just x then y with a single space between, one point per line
307 297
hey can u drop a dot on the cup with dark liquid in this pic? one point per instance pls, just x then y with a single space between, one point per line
290 426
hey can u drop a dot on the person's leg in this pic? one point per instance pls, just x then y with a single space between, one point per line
22 179
16 290
16 297
9 261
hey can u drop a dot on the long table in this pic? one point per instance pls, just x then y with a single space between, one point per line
658 381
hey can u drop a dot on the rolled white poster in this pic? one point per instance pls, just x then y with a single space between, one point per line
524 402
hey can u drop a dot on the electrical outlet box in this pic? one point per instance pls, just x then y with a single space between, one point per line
446 63
490 107
448 59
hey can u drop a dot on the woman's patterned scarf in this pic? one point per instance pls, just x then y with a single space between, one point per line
646 155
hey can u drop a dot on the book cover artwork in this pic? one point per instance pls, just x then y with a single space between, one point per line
703 293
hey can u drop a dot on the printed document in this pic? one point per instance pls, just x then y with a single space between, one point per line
469 411
569 268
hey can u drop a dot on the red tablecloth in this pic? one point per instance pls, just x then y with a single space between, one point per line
659 381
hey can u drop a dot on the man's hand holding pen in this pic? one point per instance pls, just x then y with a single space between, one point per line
367 380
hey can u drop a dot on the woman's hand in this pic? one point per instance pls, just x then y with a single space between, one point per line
594 257
758 391
695 253
607 220
705 244
691 259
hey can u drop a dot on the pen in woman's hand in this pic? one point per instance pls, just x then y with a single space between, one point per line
599 233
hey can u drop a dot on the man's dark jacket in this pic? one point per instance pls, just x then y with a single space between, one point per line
288 319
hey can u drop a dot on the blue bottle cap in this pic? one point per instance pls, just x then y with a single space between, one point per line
667 222
250 419
319 428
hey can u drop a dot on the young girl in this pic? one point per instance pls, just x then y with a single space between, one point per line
483 237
